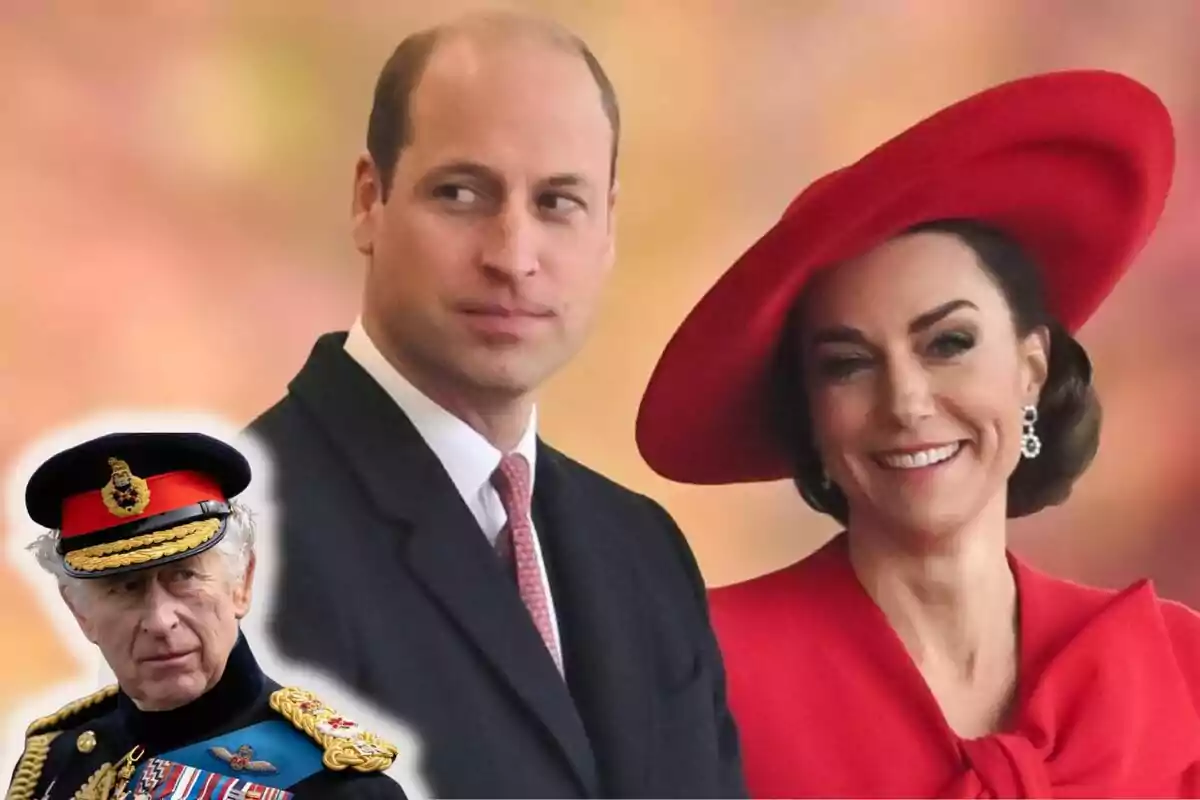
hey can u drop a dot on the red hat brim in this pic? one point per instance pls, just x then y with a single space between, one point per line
1075 166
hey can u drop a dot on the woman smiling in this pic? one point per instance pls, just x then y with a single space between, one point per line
901 345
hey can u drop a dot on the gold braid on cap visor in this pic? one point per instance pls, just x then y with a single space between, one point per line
143 549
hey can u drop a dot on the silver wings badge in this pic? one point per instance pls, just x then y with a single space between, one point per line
242 759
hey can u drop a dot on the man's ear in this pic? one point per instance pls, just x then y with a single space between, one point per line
75 603
243 593
366 204
611 255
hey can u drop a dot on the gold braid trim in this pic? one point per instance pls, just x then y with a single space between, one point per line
100 785
162 544
50 721
29 768
137 541
345 744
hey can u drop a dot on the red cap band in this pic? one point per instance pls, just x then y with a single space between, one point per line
87 513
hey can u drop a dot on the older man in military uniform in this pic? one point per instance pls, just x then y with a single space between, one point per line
155 560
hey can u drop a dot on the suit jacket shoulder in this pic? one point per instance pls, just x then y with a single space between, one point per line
655 531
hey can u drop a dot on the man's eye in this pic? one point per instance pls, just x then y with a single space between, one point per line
456 194
559 203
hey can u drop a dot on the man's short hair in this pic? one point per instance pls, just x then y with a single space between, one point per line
389 129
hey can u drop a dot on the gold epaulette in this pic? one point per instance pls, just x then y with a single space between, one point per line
344 742
41 732
29 768
59 719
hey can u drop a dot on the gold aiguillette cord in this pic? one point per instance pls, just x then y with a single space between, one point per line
126 770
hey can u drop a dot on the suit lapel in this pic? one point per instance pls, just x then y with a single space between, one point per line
454 562
445 551
604 640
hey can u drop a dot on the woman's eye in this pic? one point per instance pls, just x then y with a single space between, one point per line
841 367
948 345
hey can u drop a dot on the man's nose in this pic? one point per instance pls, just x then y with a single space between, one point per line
160 610
511 247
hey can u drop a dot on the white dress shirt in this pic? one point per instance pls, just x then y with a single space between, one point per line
468 458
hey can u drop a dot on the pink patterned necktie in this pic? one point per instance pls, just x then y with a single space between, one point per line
512 482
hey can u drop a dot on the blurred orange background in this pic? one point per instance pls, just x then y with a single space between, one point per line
175 202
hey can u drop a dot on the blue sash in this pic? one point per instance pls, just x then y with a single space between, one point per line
254 763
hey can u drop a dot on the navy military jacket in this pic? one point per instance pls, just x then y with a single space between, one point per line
245 739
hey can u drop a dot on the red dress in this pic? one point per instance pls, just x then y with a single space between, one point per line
829 704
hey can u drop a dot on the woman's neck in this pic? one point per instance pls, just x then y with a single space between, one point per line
951 599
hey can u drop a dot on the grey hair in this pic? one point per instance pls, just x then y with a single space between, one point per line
237 545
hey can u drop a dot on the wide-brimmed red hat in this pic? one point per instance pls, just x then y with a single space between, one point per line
1075 166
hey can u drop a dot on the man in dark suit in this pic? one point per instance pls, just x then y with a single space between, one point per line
558 647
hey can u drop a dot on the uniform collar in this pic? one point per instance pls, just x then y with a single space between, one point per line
237 690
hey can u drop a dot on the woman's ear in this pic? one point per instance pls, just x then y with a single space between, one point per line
1035 363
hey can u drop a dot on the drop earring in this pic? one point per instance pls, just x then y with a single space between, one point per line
1031 445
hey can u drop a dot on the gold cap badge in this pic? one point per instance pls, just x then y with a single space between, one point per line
125 494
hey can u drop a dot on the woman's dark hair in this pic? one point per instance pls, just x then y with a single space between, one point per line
1068 409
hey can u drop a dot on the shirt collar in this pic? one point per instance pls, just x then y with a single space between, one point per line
468 458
